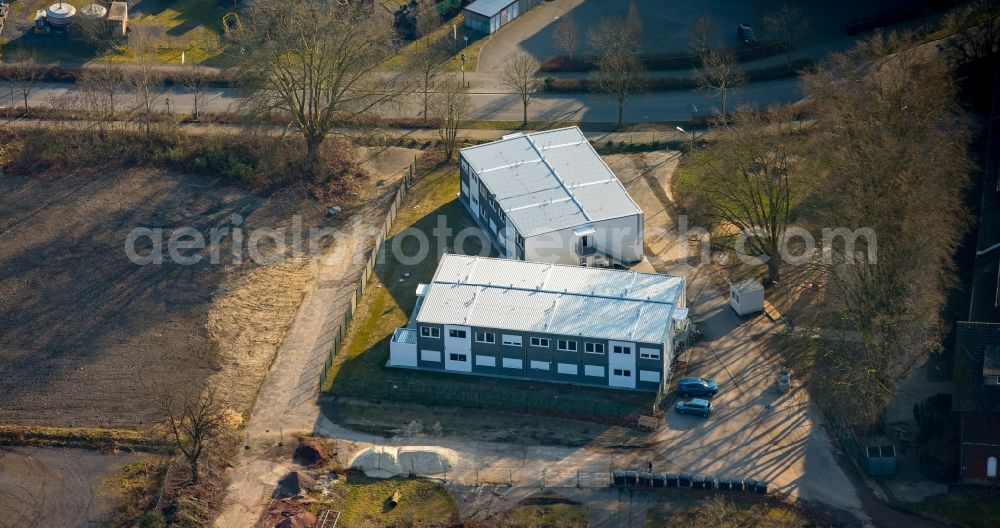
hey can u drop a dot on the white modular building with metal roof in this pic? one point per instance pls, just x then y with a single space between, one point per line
549 197
531 320
488 16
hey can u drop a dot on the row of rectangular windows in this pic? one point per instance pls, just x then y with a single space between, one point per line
564 345
517 364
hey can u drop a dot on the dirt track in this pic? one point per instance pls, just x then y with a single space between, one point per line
54 488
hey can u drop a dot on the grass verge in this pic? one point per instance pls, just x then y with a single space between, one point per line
86 438
725 511
970 507
363 501
541 511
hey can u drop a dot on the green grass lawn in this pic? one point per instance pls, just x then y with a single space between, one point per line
722 512
548 516
359 368
971 507
362 501
171 27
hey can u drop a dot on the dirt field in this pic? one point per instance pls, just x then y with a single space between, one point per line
87 337
54 488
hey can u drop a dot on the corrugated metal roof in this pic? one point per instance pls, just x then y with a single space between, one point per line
550 180
536 297
488 8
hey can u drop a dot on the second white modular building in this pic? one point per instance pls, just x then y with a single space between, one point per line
547 322
549 197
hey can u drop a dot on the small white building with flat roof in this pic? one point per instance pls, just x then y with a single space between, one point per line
549 197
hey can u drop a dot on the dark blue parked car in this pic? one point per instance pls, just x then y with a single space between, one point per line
697 387
694 406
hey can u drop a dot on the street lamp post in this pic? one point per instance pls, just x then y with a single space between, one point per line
686 132
463 66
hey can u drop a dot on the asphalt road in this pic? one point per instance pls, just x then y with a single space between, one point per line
667 25
492 105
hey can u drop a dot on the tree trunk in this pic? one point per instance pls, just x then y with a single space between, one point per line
525 119
25 102
773 273
194 471
425 105
313 143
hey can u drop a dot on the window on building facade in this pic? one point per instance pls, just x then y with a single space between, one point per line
430 331
542 342
618 349
511 340
486 337
566 345
593 348
457 334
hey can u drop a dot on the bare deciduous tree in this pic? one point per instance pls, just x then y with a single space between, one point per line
753 181
789 25
99 92
426 64
565 35
317 64
520 74
894 140
450 106
145 84
619 72
621 75
720 74
193 422
195 79
615 34
702 35
974 29
22 75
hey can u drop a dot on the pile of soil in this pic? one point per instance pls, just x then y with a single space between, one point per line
299 520
288 513
311 453
294 484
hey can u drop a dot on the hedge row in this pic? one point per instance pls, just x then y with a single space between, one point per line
213 77
667 84
664 61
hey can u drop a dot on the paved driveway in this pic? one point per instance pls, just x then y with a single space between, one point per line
742 438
